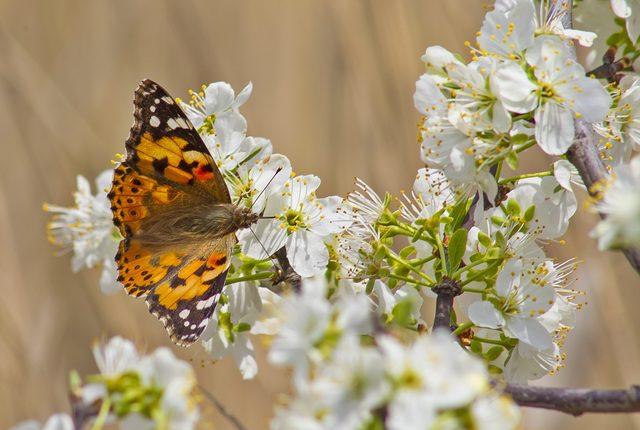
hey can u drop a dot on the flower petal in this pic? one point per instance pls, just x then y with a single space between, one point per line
554 128
484 314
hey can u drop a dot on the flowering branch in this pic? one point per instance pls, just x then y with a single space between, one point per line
576 401
583 153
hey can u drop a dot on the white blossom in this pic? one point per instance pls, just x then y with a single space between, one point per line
216 108
495 413
622 125
621 206
253 183
302 224
563 91
54 422
352 384
629 10
519 301
125 375
177 381
87 229
228 331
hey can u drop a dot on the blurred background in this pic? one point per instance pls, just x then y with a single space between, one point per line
333 84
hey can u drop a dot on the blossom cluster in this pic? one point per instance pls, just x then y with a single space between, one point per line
154 391
347 378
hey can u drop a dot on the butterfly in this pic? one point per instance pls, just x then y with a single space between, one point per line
173 209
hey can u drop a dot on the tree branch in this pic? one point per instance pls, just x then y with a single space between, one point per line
576 401
446 291
583 154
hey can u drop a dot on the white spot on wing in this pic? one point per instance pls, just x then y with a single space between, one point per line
152 108
172 124
154 121
156 101
184 313
183 123
186 323
168 100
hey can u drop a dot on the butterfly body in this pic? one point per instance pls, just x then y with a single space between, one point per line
173 209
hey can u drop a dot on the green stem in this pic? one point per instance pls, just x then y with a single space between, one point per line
474 290
478 275
492 341
410 280
403 263
421 261
461 270
525 146
443 256
462 328
102 414
525 176
498 169
255 277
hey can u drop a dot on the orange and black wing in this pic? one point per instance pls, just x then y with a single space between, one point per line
185 283
166 160
168 170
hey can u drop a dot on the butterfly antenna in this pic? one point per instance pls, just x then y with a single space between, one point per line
278 170
262 246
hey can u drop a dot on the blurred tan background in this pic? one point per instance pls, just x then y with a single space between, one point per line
333 84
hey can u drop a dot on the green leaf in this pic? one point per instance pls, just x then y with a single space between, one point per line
459 212
529 213
494 370
402 314
457 246
241 327
493 253
513 208
519 139
512 160
476 347
407 251
484 239
370 284
615 39
497 220
493 353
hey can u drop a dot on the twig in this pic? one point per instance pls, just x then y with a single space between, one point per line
576 401
583 154
223 411
446 291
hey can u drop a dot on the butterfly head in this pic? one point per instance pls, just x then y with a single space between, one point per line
242 217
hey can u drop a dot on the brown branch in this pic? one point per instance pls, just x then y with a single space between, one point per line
583 154
446 291
576 401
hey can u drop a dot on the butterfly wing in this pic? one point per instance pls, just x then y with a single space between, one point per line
168 172
185 282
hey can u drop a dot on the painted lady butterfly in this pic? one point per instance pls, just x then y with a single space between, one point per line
173 209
